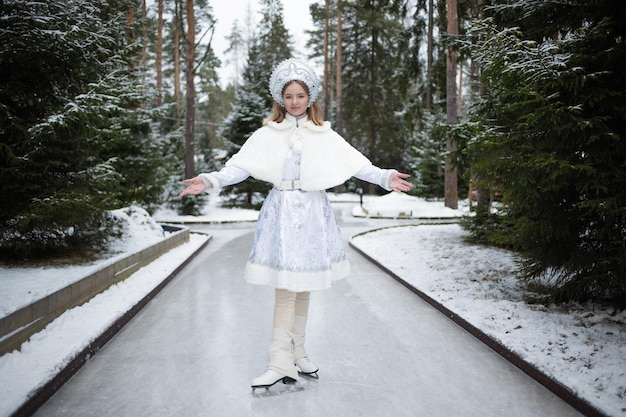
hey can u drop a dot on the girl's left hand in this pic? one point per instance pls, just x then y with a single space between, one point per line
195 186
397 182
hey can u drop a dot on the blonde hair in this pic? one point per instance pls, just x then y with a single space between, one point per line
315 113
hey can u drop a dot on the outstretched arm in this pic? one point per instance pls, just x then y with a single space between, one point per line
389 179
213 182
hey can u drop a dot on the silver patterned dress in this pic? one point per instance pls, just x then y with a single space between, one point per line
297 244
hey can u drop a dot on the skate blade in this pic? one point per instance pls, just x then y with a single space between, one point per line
276 390
312 375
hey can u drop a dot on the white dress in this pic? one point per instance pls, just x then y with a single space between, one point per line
297 244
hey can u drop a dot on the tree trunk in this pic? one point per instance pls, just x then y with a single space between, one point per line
144 28
339 121
159 55
429 58
190 53
177 60
326 63
482 195
451 192
459 95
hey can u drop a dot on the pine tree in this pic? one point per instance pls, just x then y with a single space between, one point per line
236 46
553 141
451 173
375 80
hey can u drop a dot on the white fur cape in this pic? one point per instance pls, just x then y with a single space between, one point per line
327 160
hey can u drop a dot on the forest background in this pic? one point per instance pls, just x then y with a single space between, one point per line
516 105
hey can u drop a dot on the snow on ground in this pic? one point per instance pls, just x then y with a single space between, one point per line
399 205
583 346
23 286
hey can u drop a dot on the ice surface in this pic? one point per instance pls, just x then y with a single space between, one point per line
381 350
419 260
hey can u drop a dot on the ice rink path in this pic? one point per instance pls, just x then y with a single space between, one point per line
382 351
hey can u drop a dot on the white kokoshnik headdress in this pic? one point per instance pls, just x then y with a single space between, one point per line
289 70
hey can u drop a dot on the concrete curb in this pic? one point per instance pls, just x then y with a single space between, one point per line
18 326
553 385
44 393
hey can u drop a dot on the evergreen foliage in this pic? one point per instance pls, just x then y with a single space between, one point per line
72 131
427 141
427 153
552 141
376 55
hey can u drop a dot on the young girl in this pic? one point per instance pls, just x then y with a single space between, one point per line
297 246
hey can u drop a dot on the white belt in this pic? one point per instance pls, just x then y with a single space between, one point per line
289 185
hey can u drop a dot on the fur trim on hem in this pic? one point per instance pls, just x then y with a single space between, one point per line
296 281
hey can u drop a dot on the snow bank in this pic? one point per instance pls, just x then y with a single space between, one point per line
581 346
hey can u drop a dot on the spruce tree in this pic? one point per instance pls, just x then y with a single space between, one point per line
553 142
70 135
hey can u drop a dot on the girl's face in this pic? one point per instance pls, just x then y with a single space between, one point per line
295 98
